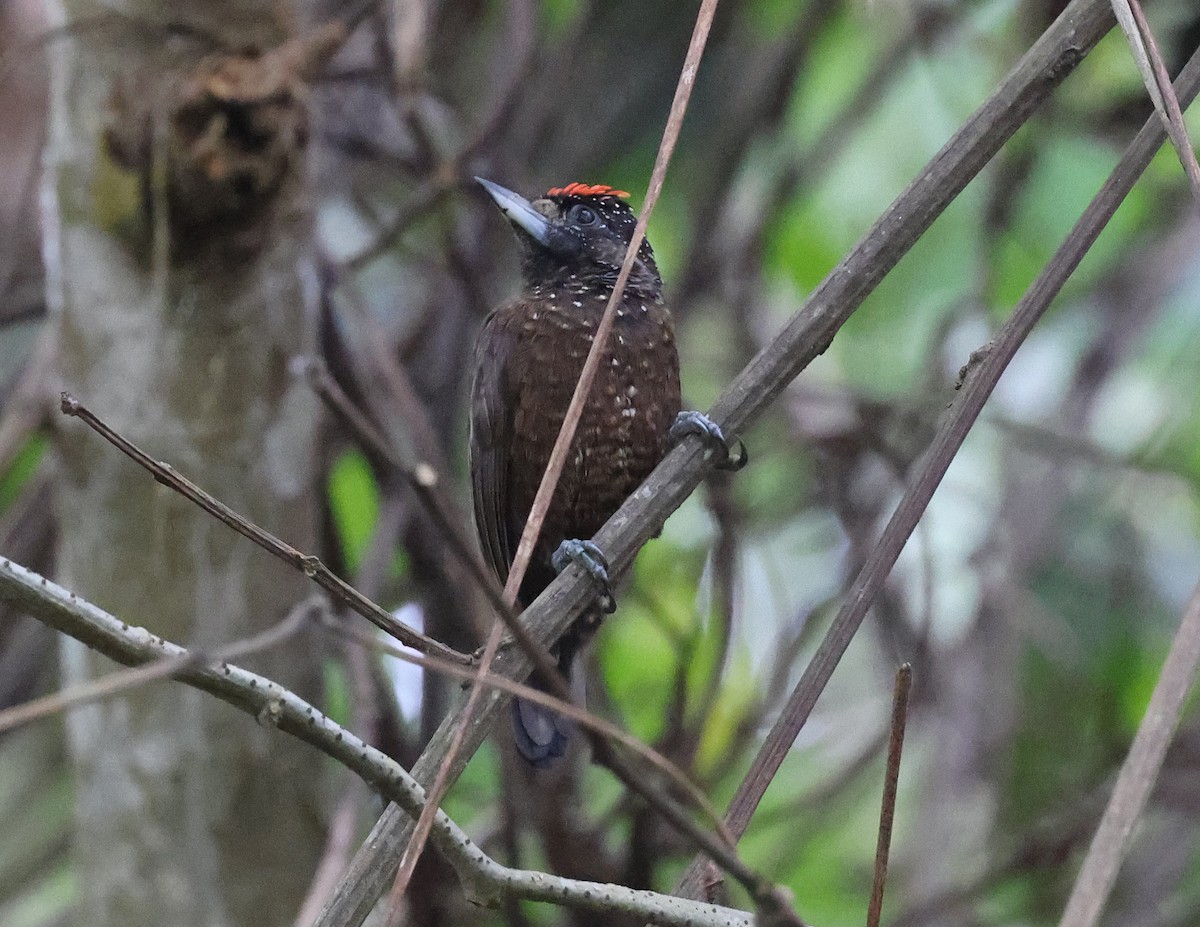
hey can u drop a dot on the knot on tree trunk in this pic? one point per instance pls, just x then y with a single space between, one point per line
213 147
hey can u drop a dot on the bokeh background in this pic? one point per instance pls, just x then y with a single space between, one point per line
1035 601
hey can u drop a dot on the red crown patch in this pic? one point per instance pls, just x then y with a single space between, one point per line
583 189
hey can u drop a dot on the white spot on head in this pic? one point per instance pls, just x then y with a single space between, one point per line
631 391
578 304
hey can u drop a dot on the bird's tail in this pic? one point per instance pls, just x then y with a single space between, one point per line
541 733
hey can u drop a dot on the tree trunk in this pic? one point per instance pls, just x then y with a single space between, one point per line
177 273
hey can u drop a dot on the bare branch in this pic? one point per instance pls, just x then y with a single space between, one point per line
486 881
891 777
562 444
979 379
309 565
809 332
602 735
123 680
1158 84
425 483
1138 773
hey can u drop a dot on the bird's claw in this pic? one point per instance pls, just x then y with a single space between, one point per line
728 455
594 563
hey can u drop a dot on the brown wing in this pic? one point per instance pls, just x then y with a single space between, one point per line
490 449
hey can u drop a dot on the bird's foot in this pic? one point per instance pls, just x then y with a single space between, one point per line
593 561
727 455
505 643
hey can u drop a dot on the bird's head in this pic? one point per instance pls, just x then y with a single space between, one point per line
575 237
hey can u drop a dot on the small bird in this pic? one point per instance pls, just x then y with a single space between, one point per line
528 358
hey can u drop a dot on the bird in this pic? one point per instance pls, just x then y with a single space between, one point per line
528 358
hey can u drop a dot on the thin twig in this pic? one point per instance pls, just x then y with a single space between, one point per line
1138 774
887 813
581 716
1158 84
719 848
338 843
1043 67
979 381
425 483
558 456
485 880
600 733
309 565
122 681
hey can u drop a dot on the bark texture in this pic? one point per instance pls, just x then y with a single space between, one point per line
180 308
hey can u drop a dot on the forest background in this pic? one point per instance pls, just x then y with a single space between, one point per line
179 224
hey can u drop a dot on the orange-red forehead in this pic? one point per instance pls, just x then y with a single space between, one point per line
583 189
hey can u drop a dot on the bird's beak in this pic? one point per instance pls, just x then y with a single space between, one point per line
519 211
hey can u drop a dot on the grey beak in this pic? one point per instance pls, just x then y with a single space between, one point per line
519 212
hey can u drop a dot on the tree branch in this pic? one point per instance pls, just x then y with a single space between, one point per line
307 564
484 880
979 378
1042 68
602 735
1158 83
1138 773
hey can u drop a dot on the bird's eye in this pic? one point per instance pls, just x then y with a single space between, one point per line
582 215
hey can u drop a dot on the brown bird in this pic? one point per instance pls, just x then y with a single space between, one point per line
527 362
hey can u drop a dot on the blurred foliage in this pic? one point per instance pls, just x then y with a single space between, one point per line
1038 598
21 470
354 504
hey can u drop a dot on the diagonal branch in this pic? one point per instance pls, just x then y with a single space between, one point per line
1033 79
307 564
485 881
114 684
562 446
1158 84
979 378
1138 774
887 814
719 847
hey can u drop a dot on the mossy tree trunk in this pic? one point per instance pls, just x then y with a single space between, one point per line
176 242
